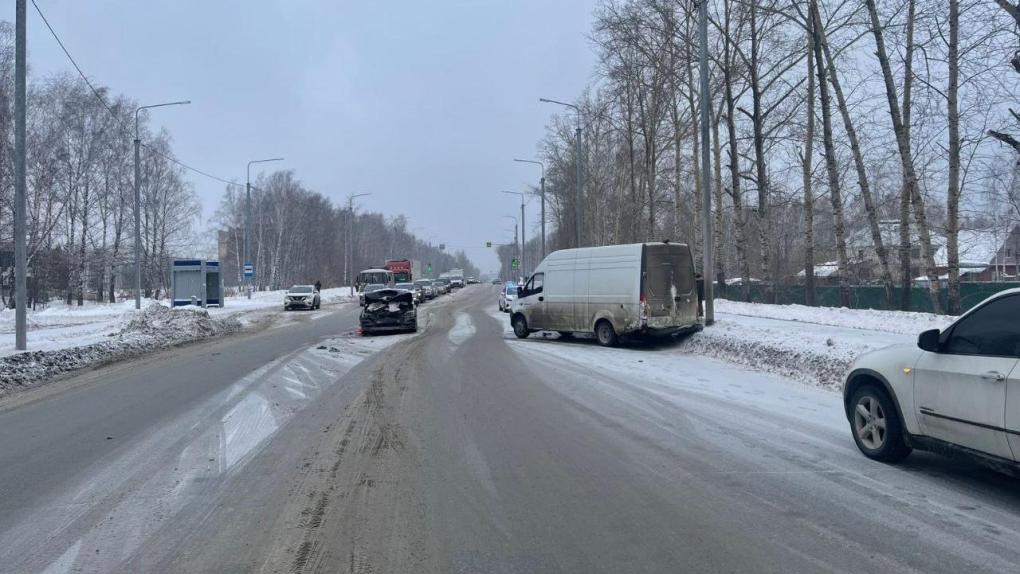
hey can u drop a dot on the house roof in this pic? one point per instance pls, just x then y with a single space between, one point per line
978 248
827 269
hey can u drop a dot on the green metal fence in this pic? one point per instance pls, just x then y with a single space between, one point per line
872 296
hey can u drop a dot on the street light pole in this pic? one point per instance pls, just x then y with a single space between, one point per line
579 180
542 165
247 218
706 164
138 200
524 268
516 245
20 259
347 244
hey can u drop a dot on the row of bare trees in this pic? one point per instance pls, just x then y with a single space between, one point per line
298 236
80 203
841 131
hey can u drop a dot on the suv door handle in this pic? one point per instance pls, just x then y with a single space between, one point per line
541 298
994 376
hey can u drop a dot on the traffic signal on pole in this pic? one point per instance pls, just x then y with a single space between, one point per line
515 263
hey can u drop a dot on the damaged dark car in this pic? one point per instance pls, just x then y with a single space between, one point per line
389 311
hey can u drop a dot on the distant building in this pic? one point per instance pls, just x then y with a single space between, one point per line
985 255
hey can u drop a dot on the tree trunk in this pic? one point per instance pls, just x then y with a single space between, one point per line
953 193
740 220
761 169
806 165
717 232
906 160
862 175
906 269
830 162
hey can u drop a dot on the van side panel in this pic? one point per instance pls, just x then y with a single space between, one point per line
614 287
579 313
558 292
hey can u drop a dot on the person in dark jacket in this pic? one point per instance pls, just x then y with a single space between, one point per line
318 285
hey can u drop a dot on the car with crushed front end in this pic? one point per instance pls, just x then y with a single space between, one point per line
419 293
389 311
368 289
301 297
956 392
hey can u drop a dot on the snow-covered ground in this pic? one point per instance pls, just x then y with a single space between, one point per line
63 338
813 345
60 326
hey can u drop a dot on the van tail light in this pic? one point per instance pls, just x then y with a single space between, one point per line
644 311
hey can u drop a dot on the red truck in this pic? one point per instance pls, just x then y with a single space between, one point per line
402 269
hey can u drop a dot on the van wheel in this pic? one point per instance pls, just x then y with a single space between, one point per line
520 325
605 333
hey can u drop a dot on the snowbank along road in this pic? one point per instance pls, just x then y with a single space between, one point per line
462 449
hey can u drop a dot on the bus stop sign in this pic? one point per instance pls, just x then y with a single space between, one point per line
249 270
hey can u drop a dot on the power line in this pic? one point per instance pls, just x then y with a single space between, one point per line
109 109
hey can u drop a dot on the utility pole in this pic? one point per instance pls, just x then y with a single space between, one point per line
523 267
348 252
20 262
247 219
579 180
706 164
138 200
542 165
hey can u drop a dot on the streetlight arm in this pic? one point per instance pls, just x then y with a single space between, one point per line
538 163
140 108
261 161
548 101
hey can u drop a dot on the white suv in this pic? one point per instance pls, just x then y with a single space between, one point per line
956 392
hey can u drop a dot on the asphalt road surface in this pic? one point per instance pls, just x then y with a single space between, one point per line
307 449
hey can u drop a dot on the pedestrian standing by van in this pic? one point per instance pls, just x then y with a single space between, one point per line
318 285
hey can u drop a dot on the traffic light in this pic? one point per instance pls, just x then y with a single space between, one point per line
488 244
515 263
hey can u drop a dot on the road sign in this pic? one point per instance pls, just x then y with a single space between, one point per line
249 270
428 268
442 246
515 263
488 244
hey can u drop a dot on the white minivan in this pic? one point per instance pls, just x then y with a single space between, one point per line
641 288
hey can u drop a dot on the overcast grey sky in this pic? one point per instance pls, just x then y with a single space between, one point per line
422 104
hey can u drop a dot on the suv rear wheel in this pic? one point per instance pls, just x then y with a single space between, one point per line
876 425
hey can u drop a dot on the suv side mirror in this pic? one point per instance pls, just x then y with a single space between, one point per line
929 341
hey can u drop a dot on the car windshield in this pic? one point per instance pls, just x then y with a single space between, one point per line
623 286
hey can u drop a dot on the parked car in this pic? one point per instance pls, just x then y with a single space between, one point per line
388 310
506 296
301 296
368 289
637 289
419 294
956 392
426 286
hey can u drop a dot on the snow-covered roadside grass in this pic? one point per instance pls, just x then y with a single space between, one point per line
66 337
812 345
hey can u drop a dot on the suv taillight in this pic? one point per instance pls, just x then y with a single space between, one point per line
644 311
